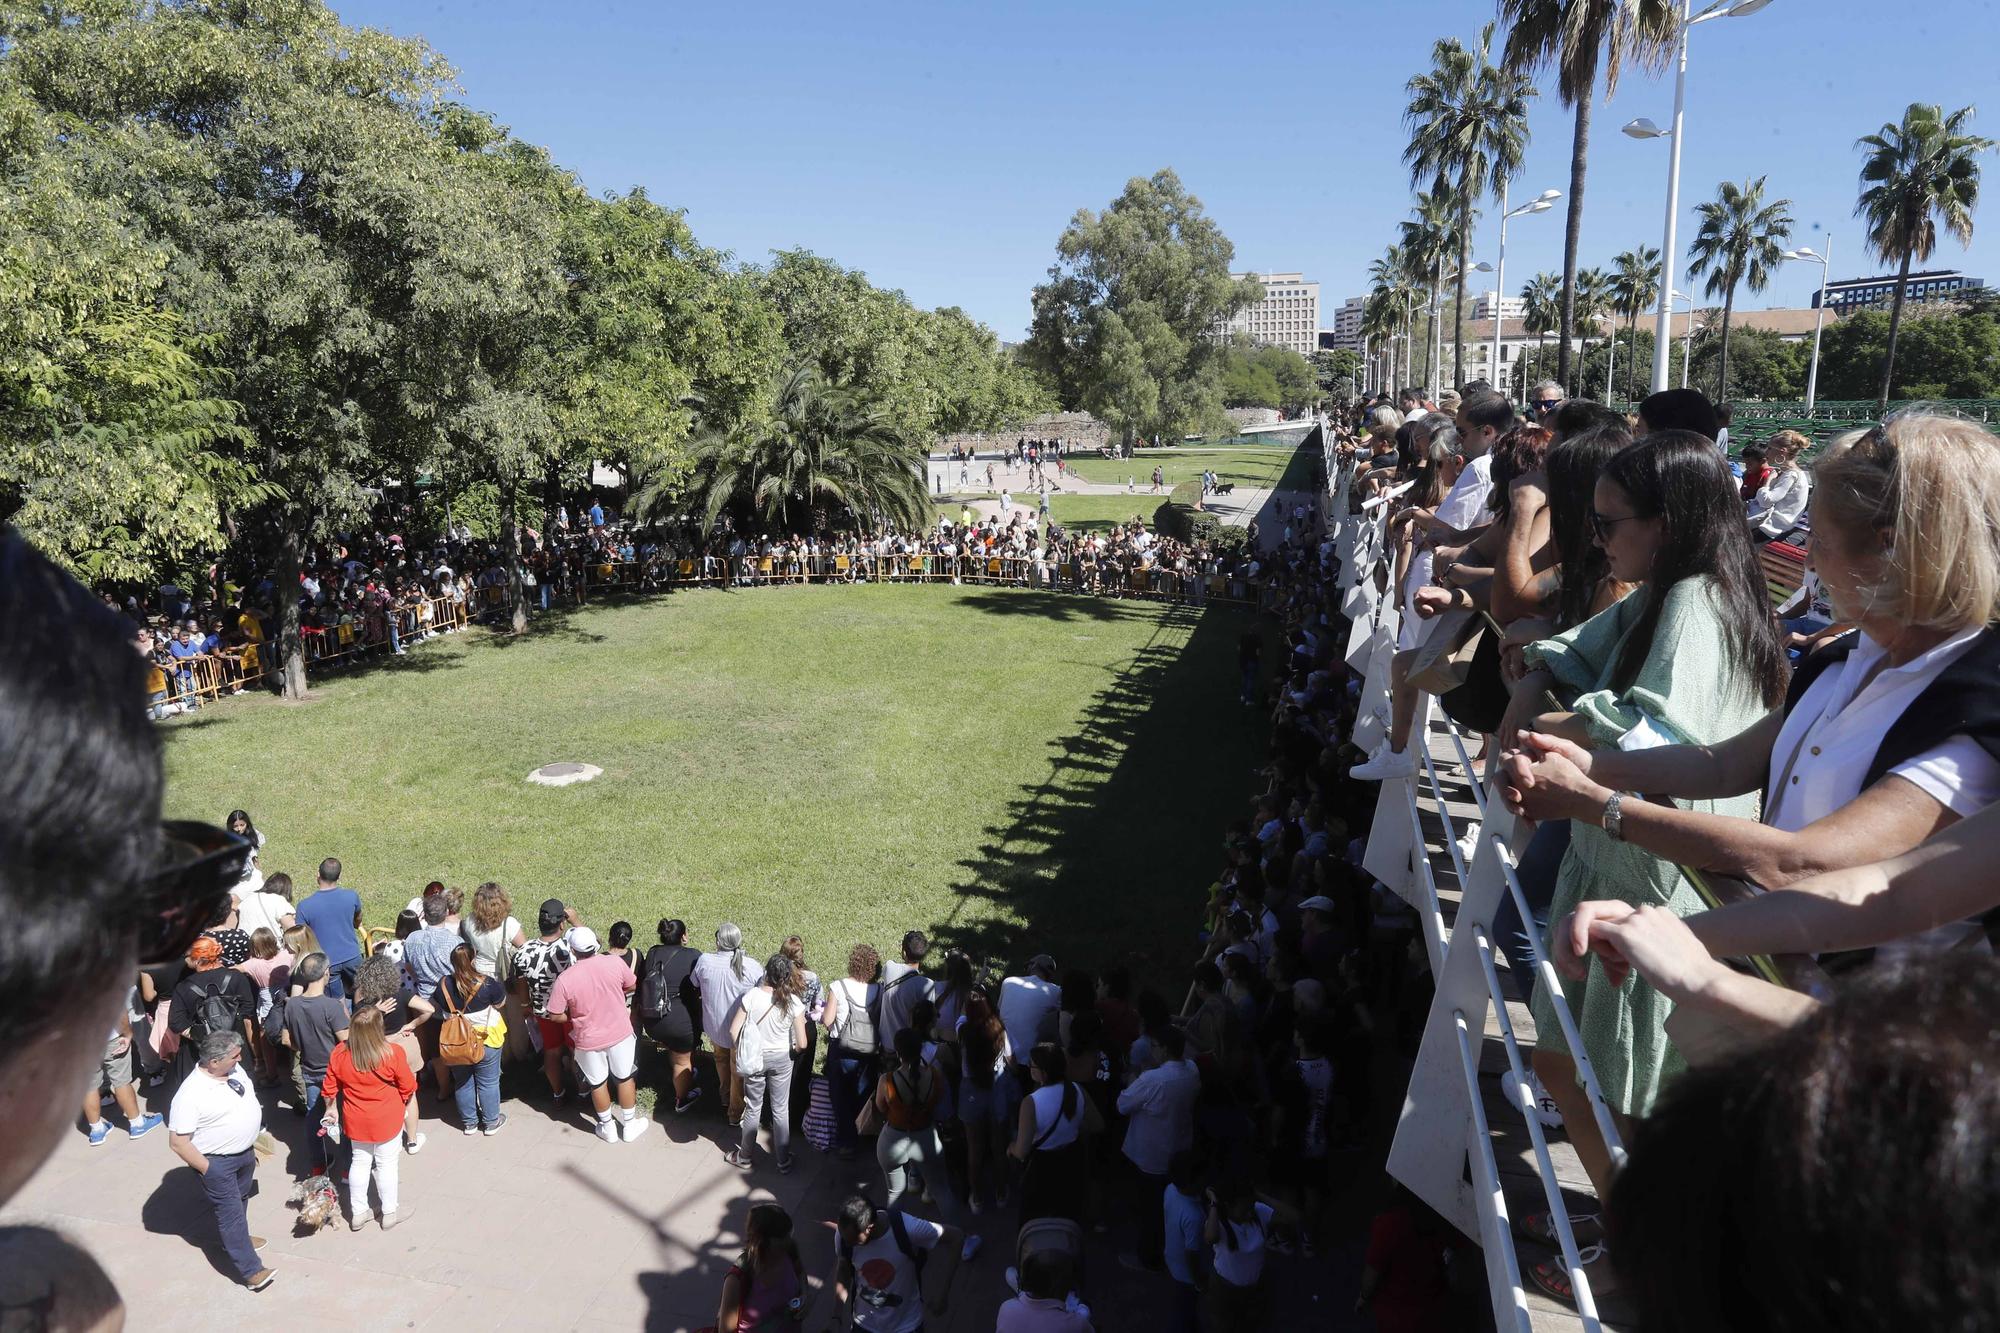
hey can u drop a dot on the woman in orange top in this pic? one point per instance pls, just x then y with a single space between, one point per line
370 1080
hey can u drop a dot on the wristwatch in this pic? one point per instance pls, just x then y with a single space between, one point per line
1613 818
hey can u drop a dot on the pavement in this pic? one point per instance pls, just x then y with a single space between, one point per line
541 1227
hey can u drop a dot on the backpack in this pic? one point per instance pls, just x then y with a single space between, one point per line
857 1023
459 1042
656 991
213 1014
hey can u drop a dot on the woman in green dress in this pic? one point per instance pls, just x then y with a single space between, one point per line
1693 657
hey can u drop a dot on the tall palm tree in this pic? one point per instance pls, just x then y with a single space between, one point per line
1918 174
1592 302
1576 36
1469 131
1541 301
1381 315
1741 239
816 453
1390 277
1430 237
1635 282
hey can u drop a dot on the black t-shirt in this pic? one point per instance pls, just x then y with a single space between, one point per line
679 964
235 988
166 976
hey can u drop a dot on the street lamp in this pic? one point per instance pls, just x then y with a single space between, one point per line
1646 129
1541 203
1437 318
1687 333
1819 315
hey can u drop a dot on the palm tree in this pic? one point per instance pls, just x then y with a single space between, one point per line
1592 302
1541 299
815 453
1635 283
1389 278
1469 132
1575 36
1430 237
1741 239
1919 173
1381 314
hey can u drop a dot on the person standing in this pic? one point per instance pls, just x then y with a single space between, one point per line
315 1023
879 1260
853 1042
668 1006
770 1024
427 953
589 997
209 999
536 968
723 977
476 1085
1159 1106
334 914
370 1079
1030 1009
765 1289
213 1125
904 986
114 1073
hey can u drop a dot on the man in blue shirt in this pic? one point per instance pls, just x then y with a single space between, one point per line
596 514
184 649
427 952
334 913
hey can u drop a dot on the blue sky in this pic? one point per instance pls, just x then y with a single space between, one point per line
941 147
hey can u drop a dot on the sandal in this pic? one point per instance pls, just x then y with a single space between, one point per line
1552 1276
1588 1228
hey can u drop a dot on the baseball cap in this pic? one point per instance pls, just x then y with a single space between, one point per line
581 939
1319 902
552 912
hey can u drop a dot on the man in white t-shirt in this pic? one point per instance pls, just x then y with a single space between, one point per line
1481 421
1028 1010
213 1126
880 1258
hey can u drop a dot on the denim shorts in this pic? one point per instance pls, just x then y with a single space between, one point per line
995 1105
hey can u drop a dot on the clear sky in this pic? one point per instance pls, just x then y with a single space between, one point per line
940 147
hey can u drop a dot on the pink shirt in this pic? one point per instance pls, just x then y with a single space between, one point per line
262 970
592 992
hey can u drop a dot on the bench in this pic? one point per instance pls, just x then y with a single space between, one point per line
1784 567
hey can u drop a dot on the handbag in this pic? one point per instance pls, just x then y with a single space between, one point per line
1444 659
869 1120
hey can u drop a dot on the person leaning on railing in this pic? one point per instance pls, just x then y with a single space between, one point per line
1887 735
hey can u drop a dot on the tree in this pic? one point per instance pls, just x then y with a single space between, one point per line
1392 293
1541 300
1741 240
1942 353
1762 365
1635 282
1594 301
1336 372
1575 36
1124 327
1469 132
1917 174
1429 237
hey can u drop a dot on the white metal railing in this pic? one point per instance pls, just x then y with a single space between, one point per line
1444 1122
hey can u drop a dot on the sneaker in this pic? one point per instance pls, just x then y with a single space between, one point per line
685 1104
1545 1105
256 1243
970 1248
360 1219
413 1146
391 1220
146 1124
633 1128
1468 842
261 1279
471 1128
736 1159
499 1123
607 1131
786 1163
99 1132
1385 767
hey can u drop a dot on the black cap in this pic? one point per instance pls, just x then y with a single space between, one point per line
552 913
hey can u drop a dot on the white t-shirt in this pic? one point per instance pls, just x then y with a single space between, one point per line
1463 506
1243 1264
256 910
1052 1128
487 944
887 1295
1027 1010
222 1115
769 1023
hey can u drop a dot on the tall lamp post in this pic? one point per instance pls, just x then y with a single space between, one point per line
1541 203
1437 320
1687 333
1819 314
1646 129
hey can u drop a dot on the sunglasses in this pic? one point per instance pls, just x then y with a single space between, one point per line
199 864
1547 404
1602 526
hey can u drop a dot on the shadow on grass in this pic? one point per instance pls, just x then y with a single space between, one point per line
1060 606
1107 859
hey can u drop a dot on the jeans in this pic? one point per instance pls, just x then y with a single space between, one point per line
227 1183
480 1082
776 1083
380 1158
897 1150
1540 861
340 978
395 639
848 1075
1148 1195
315 1101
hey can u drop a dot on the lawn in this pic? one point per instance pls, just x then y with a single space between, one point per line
1248 465
1011 771
1100 513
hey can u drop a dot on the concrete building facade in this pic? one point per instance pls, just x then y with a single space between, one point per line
1288 316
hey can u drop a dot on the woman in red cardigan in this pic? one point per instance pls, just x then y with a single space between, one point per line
369 1079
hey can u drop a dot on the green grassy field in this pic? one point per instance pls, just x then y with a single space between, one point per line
1101 513
1248 465
1011 771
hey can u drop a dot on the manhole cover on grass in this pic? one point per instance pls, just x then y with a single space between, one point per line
562 775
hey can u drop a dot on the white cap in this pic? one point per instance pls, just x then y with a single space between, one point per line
581 940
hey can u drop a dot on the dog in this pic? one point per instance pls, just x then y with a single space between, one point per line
318 1203
1224 488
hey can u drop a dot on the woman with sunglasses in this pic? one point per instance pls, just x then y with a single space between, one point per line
1692 658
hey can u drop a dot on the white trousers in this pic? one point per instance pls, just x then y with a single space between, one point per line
381 1159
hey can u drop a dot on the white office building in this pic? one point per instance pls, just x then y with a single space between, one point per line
1288 316
1511 307
1346 328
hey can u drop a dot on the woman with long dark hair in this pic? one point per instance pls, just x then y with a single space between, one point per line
669 1006
1691 658
765 1288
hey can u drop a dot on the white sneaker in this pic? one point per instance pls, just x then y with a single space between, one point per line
1468 842
633 1128
608 1131
1545 1105
1385 767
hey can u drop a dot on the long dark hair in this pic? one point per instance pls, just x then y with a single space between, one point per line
1572 468
1678 476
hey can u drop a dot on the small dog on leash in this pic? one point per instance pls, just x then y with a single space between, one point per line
318 1203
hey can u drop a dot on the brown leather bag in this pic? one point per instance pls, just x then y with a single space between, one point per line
459 1042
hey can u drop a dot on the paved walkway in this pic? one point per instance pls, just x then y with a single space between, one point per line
540 1228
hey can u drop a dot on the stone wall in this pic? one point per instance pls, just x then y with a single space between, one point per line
1252 416
1078 428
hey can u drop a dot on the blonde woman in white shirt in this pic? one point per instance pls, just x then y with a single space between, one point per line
1781 500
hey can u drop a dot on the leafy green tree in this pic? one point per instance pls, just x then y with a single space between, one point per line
1468 124
1575 37
1918 174
1941 354
1762 365
1741 240
1336 371
1247 384
1125 326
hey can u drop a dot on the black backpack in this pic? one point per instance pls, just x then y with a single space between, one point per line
213 1013
656 989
